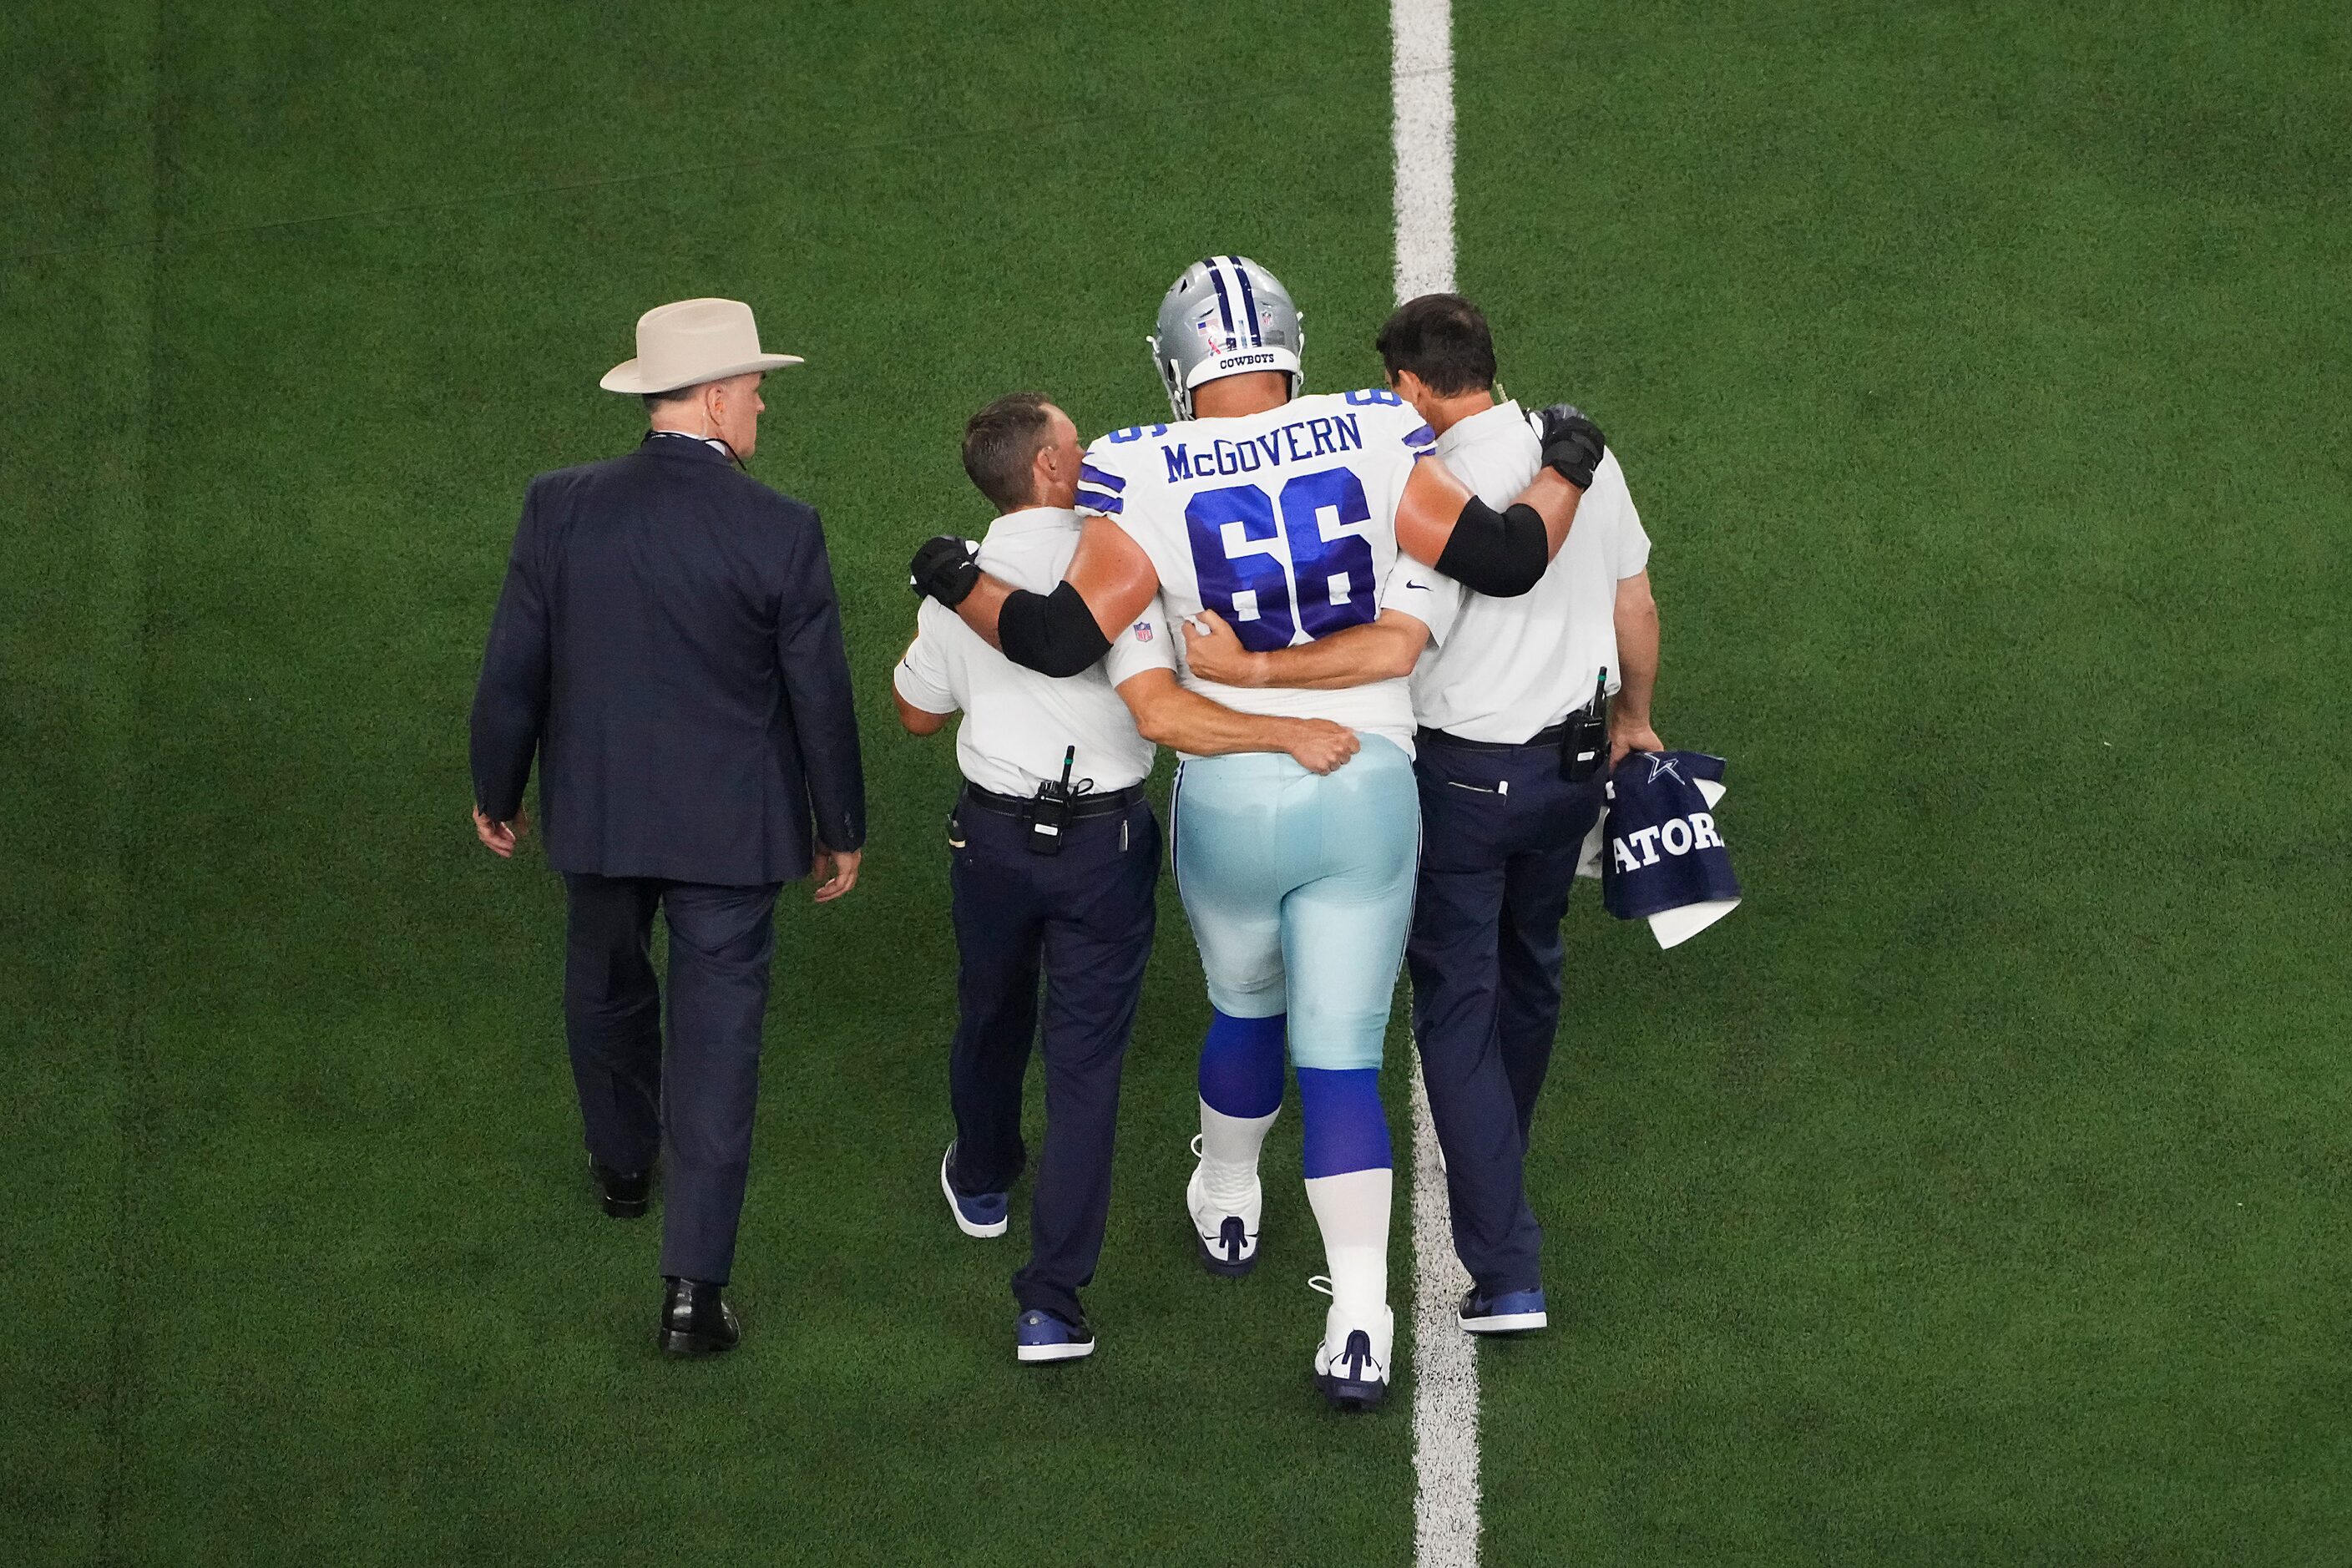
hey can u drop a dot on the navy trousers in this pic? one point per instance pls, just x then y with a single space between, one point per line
695 1100
1083 918
1500 834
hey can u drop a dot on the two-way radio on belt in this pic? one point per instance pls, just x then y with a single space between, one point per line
1050 812
1584 739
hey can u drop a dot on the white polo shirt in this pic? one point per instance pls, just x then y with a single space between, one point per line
1016 722
1502 669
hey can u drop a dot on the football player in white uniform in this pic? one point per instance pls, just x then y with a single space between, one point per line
1285 514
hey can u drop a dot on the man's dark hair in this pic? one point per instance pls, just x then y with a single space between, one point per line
655 400
1443 338
1000 447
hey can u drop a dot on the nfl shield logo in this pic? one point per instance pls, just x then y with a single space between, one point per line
1143 631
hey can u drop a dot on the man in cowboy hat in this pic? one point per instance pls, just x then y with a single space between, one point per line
668 645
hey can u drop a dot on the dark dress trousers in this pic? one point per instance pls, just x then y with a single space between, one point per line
1501 833
668 646
1086 916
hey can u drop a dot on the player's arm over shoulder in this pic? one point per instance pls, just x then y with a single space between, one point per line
1108 582
1501 553
1112 573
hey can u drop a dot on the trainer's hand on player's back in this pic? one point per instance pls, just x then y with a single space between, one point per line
1216 654
1321 746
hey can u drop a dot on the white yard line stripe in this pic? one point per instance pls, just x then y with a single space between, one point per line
1445 1366
1420 74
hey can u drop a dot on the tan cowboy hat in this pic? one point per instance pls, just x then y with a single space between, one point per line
690 342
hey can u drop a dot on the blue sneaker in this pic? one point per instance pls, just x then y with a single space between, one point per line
984 1215
1042 1336
1512 1313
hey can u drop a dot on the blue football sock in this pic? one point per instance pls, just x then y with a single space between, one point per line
1344 1125
1241 1065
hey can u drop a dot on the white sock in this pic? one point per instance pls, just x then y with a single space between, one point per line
1228 1149
1353 1211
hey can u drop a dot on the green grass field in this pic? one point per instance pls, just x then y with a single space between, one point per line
1976 1194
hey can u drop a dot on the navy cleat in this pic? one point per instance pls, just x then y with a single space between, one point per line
1040 1336
984 1215
1511 1312
1352 1365
1225 1238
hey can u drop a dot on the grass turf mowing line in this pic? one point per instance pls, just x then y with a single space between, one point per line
1977 1191
383 1322
74 340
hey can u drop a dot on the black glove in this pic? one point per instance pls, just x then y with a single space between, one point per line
1572 444
945 569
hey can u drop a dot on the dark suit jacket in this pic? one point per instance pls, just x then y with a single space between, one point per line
668 644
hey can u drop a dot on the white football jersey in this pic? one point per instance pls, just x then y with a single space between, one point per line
1284 522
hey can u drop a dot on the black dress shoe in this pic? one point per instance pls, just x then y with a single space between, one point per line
623 1195
695 1321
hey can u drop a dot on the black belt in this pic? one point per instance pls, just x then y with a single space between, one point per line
1093 803
1545 737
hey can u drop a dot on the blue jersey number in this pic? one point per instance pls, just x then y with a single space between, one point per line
1335 572
1242 579
1241 576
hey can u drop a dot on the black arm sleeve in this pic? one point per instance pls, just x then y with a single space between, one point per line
1053 634
1500 555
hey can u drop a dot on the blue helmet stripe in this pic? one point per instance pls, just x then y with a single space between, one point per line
1249 300
1089 474
1224 305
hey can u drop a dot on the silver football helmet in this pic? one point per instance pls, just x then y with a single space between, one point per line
1226 316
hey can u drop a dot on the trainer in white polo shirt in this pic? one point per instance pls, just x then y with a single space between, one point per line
1504 669
1042 879
1018 725
1496 683
1049 882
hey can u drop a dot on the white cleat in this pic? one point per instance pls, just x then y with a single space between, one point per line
1352 1364
1226 1238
